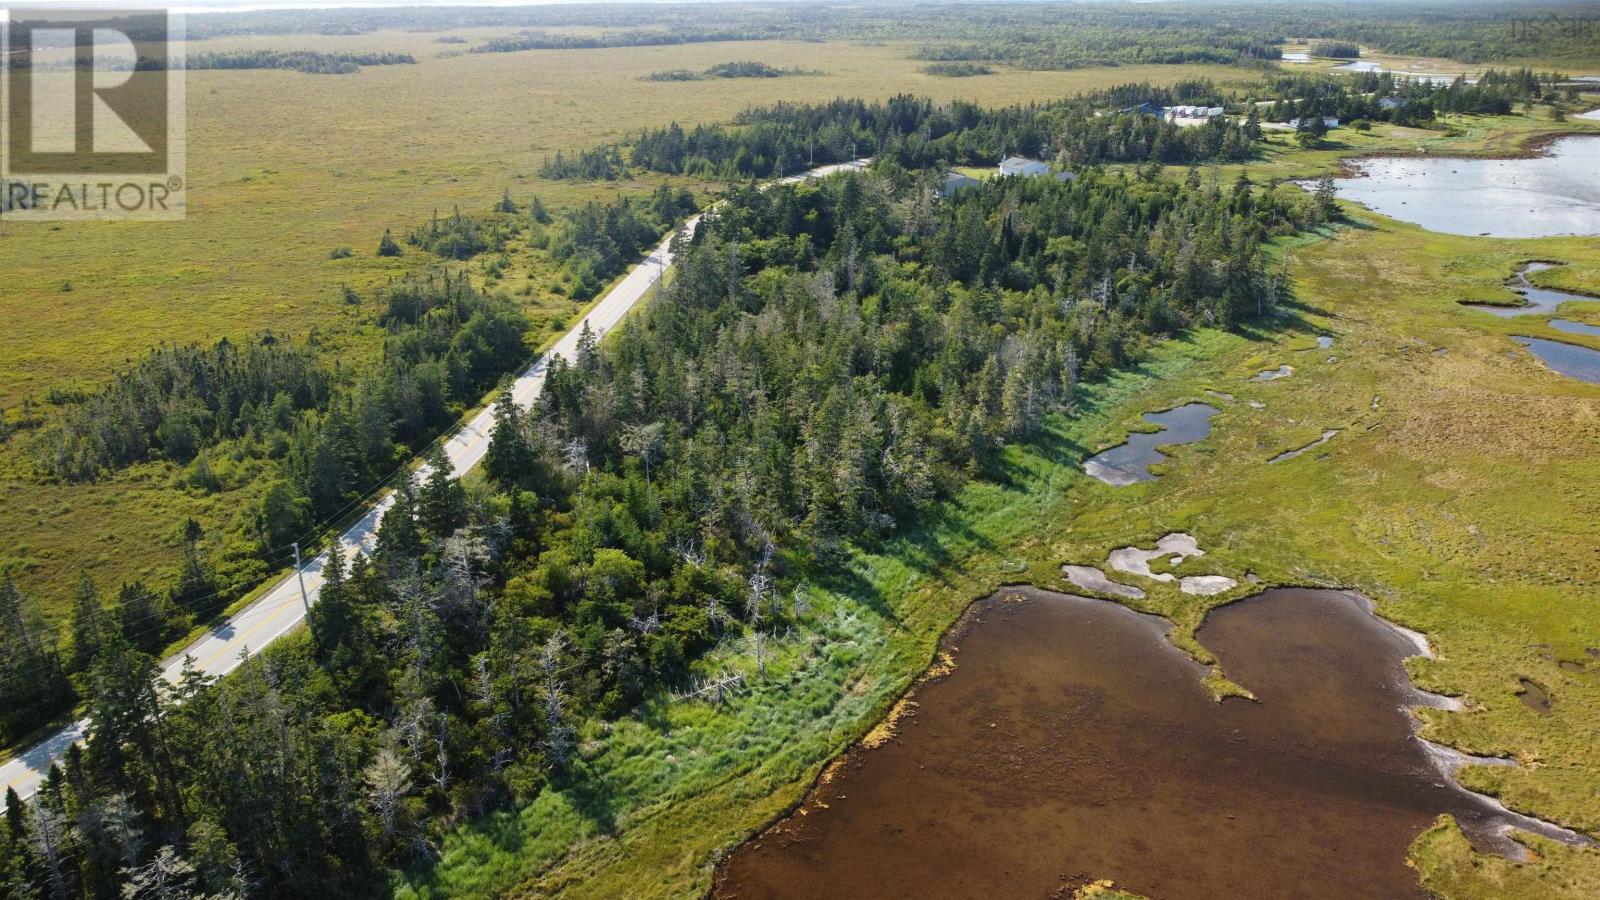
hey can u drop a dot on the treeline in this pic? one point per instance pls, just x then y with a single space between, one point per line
742 69
830 359
540 40
178 400
1156 43
917 133
1188 91
956 69
1030 34
1386 97
339 63
445 344
459 236
597 242
327 439
594 164
1335 49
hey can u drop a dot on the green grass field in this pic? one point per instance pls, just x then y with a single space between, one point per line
1460 494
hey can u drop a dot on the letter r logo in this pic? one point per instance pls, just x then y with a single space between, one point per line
87 91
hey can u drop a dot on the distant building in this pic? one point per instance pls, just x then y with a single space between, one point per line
955 181
1390 103
1021 165
1146 108
1327 122
1174 113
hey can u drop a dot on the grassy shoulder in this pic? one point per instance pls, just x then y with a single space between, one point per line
1458 494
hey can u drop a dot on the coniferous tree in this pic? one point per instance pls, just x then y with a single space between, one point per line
442 507
387 245
33 685
398 539
510 457
333 620
87 624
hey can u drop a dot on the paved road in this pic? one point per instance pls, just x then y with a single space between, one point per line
281 610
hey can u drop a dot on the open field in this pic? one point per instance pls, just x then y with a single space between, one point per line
393 143
1459 494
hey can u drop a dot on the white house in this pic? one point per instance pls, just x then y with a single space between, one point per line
1021 165
1327 122
1174 113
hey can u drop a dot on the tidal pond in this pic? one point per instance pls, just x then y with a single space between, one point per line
1538 299
1400 74
1571 327
1130 462
1567 359
1556 193
1073 742
1327 436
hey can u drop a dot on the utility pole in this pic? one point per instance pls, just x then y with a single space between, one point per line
300 576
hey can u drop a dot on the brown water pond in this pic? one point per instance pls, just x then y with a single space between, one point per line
1073 742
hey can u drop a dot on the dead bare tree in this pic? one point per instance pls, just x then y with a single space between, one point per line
558 738
410 725
166 877
441 740
757 586
49 833
716 688
497 716
388 781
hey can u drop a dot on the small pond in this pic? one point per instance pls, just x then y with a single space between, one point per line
1130 462
1073 742
1557 193
1568 359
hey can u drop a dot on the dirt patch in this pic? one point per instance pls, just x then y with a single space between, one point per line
1206 585
1133 561
1092 579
